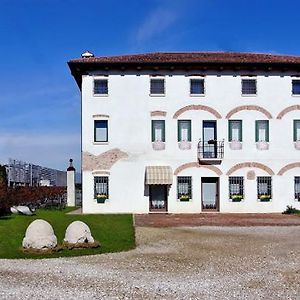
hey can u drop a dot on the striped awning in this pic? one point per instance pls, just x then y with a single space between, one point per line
159 175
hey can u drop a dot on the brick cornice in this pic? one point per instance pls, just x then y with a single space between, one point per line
158 113
287 110
197 107
197 165
249 107
250 165
288 167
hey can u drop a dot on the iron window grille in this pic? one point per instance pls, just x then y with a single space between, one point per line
157 86
249 87
184 188
296 87
101 187
100 131
297 188
264 188
100 87
197 86
236 187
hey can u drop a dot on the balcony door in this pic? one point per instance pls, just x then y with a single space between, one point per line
210 193
209 133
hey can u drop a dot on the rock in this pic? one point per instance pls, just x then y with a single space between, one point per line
39 235
78 233
24 210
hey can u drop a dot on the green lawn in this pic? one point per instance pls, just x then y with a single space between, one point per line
114 232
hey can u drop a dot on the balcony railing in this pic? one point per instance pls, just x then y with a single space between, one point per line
210 150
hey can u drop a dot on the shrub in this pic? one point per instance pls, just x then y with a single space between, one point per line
291 210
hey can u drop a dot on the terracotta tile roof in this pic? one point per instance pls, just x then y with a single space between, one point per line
193 57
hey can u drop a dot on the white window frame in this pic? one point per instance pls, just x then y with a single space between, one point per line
294 78
108 130
160 77
241 85
100 78
204 86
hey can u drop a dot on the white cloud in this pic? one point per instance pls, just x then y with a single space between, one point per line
157 22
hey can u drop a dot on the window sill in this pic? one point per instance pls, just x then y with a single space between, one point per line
158 146
262 145
100 143
235 145
197 95
249 95
100 95
295 95
157 95
184 145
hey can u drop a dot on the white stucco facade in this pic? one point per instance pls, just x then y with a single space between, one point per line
127 107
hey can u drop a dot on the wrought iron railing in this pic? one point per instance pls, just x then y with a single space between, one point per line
211 149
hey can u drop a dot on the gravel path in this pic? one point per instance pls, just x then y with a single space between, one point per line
170 263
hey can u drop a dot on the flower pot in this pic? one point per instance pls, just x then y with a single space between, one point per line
235 145
184 145
262 145
158 146
101 200
236 199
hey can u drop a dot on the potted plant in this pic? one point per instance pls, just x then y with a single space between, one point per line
184 197
101 198
265 198
236 198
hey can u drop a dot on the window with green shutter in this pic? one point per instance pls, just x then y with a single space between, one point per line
262 131
235 132
296 130
158 131
184 130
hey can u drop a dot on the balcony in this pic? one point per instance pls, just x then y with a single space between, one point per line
211 151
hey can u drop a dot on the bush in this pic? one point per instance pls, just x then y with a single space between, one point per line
291 210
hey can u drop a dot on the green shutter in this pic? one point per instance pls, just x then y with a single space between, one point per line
267 131
256 131
241 130
296 124
163 131
190 130
178 131
230 130
152 131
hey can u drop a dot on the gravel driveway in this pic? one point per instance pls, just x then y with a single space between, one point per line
170 263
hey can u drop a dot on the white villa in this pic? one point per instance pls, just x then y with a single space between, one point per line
189 132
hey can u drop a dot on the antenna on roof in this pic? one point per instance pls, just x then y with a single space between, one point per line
87 54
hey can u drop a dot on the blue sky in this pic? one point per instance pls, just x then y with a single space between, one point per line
40 102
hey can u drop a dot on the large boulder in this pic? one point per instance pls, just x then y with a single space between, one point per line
78 233
40 236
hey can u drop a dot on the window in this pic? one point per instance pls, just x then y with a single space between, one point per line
157 86
101 131
297 188
158 131
184 188
197 86
100 87
235 130
296 87
236 187
249 87
264 188
296 130
184 131
101 186
262 131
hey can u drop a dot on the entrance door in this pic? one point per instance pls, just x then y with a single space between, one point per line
209 139
158 197
210 193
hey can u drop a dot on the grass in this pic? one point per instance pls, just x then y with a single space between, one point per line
114 232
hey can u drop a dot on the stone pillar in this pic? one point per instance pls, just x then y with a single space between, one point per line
71 184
